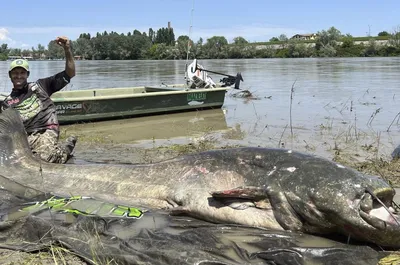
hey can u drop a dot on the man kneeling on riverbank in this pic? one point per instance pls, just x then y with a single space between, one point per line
37 110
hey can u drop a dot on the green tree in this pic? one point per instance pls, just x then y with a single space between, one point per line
235 52
98 47
349 48
297 49
240 41
371 49
273 39
4 48
40 52
152 35
15 52
83 47
328 37
249 51
183 44
216 47
347 41
383 33
165 35
4 52
284 40
139 46
267 52
159 51
114 46
283 37
327 51
327 42
54 51
394 38
197 49
240 49
26 53
282 53
84 36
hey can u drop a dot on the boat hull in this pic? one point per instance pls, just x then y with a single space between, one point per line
118 103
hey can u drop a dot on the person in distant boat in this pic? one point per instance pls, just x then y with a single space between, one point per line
37 110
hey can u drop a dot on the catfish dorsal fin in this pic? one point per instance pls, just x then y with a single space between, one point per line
13 138
246 192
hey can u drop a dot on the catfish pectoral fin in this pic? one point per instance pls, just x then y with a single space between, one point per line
284 214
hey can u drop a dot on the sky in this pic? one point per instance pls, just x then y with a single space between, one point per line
27 23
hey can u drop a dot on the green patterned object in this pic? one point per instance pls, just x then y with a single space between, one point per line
83 206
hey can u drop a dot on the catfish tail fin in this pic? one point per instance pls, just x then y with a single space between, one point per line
13 138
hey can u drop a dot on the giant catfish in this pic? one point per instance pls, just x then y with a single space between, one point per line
270 188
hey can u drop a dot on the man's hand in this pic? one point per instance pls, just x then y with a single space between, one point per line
63 42
69 59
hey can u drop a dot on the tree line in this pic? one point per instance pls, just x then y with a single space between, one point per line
162 44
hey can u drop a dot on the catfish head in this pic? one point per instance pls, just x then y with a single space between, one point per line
361 209
318 196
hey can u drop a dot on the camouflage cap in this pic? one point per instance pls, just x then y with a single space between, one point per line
19 63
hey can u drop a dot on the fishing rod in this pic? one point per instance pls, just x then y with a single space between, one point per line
189 43
190 33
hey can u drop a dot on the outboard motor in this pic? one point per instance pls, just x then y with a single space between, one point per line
230 80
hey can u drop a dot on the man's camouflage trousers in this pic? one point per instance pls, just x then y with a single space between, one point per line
45 145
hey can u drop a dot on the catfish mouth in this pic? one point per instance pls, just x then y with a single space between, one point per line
379 210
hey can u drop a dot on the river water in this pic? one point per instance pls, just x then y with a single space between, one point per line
316 105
